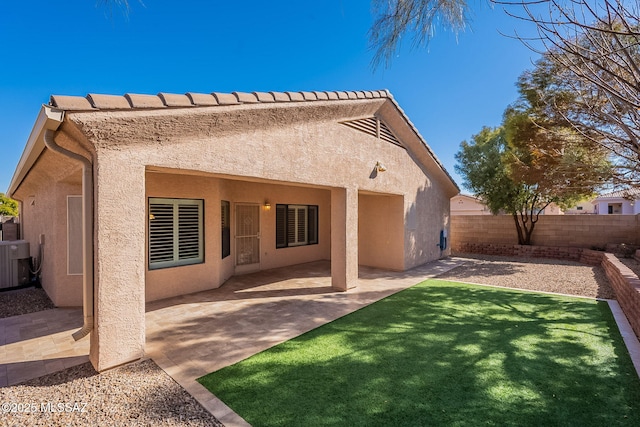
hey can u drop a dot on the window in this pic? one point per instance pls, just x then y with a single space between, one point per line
296 225
226 228
175 232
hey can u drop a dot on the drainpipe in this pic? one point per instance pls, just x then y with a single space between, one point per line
87 232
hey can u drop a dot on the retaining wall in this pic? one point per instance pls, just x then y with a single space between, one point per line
626 285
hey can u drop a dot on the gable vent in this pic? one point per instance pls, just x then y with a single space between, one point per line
374 127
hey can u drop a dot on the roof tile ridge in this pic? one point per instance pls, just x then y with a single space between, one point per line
128 101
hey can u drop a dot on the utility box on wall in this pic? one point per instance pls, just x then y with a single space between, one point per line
14 264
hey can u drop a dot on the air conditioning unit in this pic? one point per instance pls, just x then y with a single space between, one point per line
14 263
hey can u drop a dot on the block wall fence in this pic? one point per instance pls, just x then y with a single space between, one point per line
577 231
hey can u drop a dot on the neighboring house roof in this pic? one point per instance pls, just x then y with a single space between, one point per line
53 114
630 193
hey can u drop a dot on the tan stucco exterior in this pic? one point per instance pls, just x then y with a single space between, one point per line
43 217
248 153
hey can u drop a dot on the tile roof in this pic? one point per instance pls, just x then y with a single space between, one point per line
129 101
621 194
95 102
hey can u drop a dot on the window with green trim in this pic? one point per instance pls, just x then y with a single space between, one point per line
296 225
176 232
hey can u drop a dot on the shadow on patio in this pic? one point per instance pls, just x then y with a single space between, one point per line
203 332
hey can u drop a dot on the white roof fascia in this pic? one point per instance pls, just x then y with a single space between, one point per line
48 118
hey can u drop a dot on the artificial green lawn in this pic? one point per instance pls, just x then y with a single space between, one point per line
443 353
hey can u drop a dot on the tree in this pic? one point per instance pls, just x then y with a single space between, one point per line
592 48
8 207
396 18
482 165
526 164
589 74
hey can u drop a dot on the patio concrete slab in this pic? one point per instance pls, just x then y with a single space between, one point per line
209 330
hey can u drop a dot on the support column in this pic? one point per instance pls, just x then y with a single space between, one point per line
119 242
344 238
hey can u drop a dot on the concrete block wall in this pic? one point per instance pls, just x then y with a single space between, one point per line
626 285
587 256
555 252
581 231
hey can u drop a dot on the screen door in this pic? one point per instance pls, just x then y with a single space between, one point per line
247 237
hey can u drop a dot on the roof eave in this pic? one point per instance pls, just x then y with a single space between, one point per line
49 118
455 190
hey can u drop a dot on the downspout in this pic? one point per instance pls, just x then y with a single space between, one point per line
87 231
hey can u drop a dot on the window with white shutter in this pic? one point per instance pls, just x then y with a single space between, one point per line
296 225
175 232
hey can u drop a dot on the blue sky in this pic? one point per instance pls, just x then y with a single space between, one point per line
75 47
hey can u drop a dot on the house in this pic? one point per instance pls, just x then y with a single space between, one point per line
463 204
584 207
137 198
624 202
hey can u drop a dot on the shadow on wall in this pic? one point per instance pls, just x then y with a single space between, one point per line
425 221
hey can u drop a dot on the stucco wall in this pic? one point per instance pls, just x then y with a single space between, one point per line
426 214
43 211
305 145
167 282
381 231
301 146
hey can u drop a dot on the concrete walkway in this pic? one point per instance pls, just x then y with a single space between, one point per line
40 343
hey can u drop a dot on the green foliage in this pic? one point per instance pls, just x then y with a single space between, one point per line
535 158
8 207
444 354
484 172
588 75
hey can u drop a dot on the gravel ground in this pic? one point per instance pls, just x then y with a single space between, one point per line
22 301
536 274
138 394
